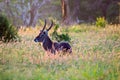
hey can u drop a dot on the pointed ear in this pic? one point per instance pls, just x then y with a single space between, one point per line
46 32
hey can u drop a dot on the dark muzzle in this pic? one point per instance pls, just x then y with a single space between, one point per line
35 40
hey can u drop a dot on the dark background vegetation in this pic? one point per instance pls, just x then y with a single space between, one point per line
30 12
89 10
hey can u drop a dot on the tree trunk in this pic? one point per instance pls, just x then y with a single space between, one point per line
65 11
32 15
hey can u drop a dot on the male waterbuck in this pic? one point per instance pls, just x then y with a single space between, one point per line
49 45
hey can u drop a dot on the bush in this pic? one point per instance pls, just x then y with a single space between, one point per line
100 22
7 31
60 37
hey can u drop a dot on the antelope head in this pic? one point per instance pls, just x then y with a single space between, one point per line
43 33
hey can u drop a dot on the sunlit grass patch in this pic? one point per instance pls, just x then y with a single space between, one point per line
96 56
83 28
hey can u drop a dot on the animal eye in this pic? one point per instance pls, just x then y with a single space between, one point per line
43 32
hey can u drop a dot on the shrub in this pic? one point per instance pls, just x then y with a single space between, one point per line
60 37
7 31
100 22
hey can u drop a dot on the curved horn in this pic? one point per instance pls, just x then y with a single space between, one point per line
44 26
50 25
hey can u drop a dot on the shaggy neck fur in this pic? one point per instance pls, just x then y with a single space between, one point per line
47 45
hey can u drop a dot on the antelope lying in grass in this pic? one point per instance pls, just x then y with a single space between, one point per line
49 45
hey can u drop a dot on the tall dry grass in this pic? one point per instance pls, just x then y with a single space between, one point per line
96 56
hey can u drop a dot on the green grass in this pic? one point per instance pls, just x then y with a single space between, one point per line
96 56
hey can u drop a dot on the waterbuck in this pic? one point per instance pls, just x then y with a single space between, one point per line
49 45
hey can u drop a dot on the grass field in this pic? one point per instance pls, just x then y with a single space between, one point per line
96 56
